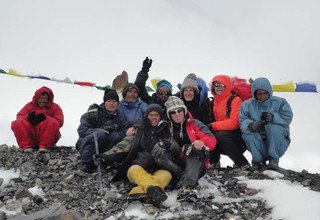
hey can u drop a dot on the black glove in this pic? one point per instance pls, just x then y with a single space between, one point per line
93 115
160 148
110 128
256 126
32 118
189 149
266 117
40 118
146 65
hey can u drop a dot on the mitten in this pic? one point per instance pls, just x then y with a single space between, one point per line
40 118
146 64
158 149
110 128
32 118
267 117
189 149
93 115
256 126
174 148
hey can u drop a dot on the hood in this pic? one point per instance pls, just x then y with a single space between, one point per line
261 83
225 80
38 93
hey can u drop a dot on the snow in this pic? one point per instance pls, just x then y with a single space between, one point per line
88 41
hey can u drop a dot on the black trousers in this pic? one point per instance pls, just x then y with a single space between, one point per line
231 144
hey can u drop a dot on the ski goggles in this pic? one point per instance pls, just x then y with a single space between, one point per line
178 110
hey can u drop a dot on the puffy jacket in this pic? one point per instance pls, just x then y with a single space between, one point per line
252 109
222 122
51 110
134 112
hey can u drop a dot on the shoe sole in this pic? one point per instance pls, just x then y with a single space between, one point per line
156 194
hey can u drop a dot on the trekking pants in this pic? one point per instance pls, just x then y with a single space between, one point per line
137 175
231 144
272 147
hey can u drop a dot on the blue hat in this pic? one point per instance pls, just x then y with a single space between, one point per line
162 83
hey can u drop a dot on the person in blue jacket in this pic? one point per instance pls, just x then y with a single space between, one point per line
264 122
107 122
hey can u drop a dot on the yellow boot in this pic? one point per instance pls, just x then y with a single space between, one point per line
162 177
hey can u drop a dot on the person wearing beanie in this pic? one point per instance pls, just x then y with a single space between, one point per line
110 94
139 166
38 123
195 100
194 141
163 87
225 126
132 106
109 124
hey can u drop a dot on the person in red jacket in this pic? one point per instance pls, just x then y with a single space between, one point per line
225 127
38 122
186 154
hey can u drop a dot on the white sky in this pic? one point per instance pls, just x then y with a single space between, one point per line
92 40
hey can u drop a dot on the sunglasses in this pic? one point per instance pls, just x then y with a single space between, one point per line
217 84
172 112
164 93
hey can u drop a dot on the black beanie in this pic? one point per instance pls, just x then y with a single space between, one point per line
154 107
128 87
110 94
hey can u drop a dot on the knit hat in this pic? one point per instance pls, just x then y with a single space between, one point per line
174 103
191 82
165 83
153 107
110 94
128 87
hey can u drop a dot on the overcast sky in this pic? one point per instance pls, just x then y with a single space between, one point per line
95 40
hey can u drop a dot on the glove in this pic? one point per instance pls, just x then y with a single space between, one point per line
40 118
256 126
32 118
267 117
146 65
93 115
110 128
160 148
189 149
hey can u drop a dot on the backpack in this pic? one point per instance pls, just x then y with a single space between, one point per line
240 88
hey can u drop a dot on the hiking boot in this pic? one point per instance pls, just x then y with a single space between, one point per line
255 167
43 150
187 193
141 197
216 165
28 150
156 194
87 168
273 165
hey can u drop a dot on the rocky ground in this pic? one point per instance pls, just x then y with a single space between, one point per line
72 194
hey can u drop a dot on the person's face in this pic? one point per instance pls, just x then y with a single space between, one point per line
43 100
163 93
188 94
131 95
177 115
154 118
218 88
111 105
262 95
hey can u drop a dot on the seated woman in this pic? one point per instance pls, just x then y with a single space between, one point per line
140 166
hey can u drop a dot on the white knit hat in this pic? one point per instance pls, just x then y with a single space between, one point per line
174 103
191 82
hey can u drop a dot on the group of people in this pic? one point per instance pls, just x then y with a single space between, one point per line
166 138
